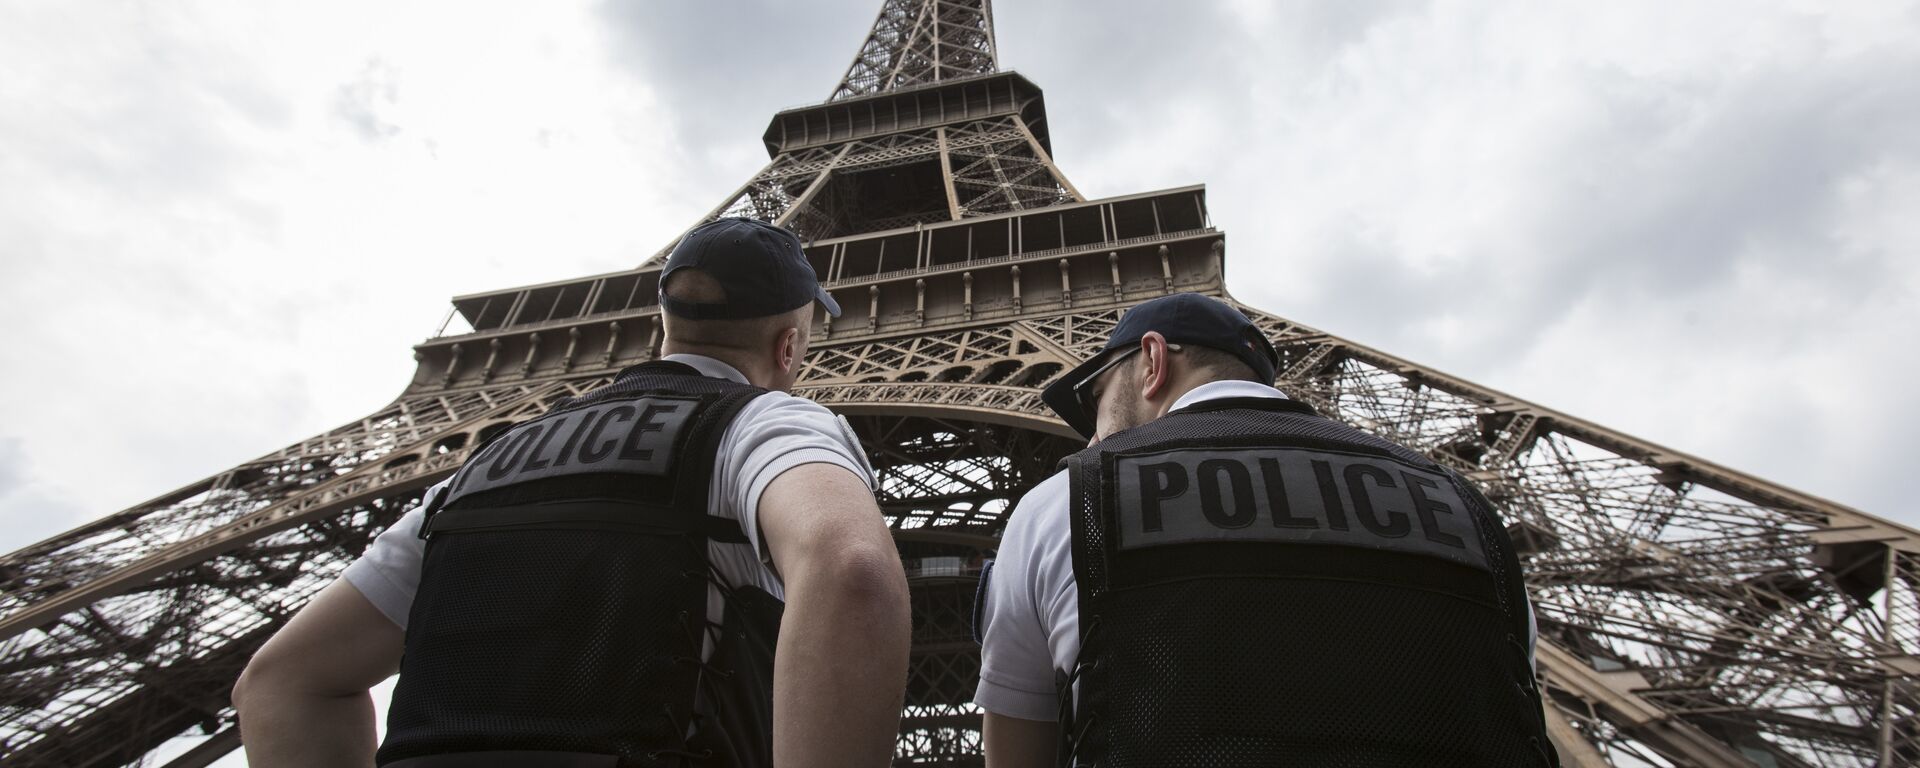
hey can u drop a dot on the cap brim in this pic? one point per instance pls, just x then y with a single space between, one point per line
1059 395
826 300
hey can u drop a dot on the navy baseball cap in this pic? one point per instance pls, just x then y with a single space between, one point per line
759 265
1183 318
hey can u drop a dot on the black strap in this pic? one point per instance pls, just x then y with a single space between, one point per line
595 515
668 367
1256 403
513 759
620 386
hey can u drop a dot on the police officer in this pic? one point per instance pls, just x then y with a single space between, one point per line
603 585
1226 578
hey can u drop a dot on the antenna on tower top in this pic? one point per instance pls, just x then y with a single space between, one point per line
922 41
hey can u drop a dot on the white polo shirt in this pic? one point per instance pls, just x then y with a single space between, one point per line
771 434
1031 614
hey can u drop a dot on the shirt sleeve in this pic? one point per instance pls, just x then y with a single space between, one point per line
388 573
1023 609
773 433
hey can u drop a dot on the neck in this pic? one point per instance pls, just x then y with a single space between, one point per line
1176 388
759 373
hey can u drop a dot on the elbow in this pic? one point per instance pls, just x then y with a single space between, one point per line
888 575
263 673
248 682
869 579
878 584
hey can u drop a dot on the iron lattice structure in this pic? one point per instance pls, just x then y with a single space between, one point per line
1690 614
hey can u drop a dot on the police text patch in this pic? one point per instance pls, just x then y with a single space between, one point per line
1291 496
633 436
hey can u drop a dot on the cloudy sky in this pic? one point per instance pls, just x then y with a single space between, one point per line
223 224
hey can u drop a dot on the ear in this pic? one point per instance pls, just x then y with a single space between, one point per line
1153 354
786 349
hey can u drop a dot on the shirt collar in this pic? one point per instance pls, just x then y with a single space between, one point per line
708 367
1214 390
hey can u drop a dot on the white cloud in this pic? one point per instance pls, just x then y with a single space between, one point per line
32 511
1680 221
206 257
225 223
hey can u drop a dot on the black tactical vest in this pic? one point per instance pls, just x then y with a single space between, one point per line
1262 586
562 609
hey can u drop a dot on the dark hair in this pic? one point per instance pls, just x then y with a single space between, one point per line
1220 365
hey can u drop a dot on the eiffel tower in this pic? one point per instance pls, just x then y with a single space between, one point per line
1690 614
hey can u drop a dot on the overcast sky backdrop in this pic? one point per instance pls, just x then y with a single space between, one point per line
223 224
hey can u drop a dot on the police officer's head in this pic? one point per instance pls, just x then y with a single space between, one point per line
742 291
1159 351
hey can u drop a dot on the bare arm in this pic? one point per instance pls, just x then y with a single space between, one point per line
1013 742
303 698
840 668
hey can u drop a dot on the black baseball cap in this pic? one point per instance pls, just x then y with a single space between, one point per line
759 265
1183 318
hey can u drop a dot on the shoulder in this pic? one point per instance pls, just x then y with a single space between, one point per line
1051 492
781 404
774 415
1037 534
1034 518
780 430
